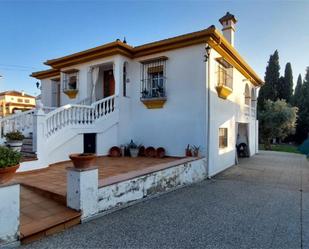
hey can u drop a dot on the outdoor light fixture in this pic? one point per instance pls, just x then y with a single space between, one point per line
37 85
207 49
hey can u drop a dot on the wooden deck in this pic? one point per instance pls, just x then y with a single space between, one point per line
53 179
43 192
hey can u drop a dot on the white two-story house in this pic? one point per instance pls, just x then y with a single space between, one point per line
191 89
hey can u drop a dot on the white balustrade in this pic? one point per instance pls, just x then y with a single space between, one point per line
22 122
86 101
77 115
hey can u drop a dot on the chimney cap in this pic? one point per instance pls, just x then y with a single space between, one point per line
228 16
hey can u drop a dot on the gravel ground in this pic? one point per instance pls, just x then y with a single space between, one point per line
261 203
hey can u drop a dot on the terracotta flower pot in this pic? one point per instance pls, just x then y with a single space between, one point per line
141 151
160 152
150 152
115 152
83 160
6 174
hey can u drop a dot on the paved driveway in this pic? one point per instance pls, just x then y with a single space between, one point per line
262 203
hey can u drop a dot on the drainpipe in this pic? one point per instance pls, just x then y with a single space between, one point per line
207 58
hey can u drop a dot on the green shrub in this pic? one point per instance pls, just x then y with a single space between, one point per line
8 157
14 135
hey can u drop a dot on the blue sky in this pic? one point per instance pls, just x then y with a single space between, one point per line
34 31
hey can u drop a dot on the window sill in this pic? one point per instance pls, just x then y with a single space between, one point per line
223 91
71 93
154 103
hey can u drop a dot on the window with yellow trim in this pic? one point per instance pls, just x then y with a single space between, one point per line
153 79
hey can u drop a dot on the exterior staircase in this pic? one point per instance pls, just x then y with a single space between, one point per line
57 131
27 149
42 215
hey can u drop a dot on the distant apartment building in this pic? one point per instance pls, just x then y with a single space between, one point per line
12 101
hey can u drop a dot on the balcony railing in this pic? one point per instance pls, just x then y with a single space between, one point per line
224 78
153 88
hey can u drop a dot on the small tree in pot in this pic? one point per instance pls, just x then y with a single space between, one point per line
9 163
14 140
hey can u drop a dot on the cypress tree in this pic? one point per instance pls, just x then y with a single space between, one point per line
285 87
281 88
302 128
272 74
298 92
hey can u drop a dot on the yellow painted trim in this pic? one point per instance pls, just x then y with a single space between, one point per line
223 91
154 103
210 35
46 74
229 53
71 93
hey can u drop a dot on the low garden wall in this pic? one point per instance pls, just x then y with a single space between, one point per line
126 192
86 194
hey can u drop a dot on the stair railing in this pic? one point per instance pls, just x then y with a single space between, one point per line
86 101
22 122
78 115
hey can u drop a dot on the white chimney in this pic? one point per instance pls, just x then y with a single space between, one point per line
228 27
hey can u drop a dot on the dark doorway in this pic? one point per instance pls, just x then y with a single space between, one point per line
109 84
90 143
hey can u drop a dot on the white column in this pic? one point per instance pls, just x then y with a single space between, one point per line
38 132
82 190
9 214
118 74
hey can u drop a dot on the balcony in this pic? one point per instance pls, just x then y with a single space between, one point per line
70 83
153 93
225 83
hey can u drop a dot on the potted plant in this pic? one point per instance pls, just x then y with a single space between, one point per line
14 140
83 160
9 163
188 151
134 149
196 150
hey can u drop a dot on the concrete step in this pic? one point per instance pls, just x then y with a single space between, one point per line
26 148
42 216
28 154
28 141
46 193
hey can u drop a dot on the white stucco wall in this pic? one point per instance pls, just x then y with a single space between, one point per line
46 92
182 121
226 114
82 190
9 213
125 192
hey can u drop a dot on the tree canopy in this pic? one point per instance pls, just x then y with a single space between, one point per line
285 87
277 119
302 129
270 89
298 92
